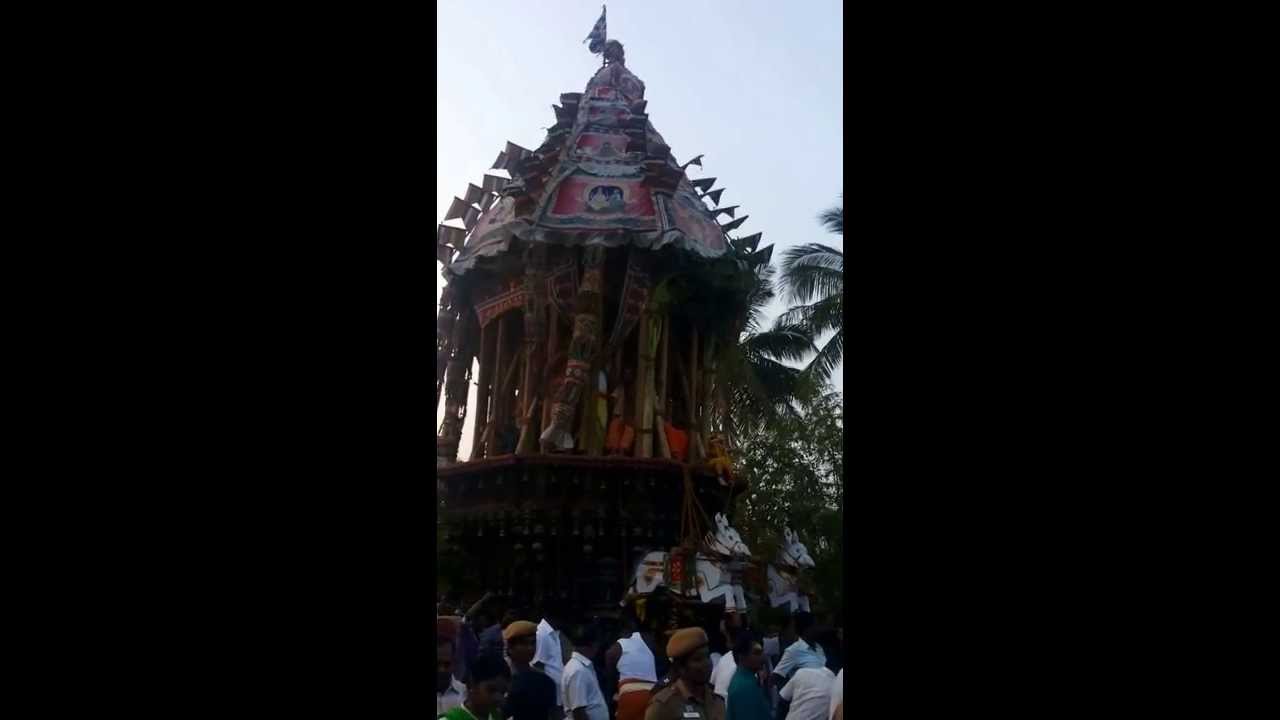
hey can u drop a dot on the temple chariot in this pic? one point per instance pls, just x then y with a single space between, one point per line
591 288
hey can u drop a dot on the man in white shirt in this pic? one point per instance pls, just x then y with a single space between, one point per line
805 652
837 694
548 658
581 696
722 675
449 691
809 692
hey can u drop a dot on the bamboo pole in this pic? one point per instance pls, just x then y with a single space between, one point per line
693 379
487 341
503 362
505 390
659 426
457 377
682 380
553 349
663 367
644 429
650 382
500 363
708 389
446 320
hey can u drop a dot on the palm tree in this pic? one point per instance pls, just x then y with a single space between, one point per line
755 383
813 275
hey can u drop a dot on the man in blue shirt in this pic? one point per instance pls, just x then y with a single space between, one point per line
805 652
747 700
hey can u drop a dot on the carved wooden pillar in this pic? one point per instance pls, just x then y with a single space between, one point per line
535 301
586 330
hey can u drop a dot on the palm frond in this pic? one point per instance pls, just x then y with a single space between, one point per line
783 342
817 318
833 218
824 364
758 298
812 271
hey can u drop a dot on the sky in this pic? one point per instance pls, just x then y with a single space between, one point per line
755 87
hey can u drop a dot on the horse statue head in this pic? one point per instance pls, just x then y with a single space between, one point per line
793 553
725 540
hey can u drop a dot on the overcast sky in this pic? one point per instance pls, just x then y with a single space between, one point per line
754 86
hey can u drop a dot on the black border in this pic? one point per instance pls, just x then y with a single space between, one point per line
275 334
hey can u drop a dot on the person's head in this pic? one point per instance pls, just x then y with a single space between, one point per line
748 652
689 655
489 678
629 623
584 638
521 638
717 639
444 663
613 52
830 643
806 627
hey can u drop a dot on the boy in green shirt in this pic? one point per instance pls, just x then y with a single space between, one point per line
489 678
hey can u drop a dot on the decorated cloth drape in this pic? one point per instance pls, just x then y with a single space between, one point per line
603 177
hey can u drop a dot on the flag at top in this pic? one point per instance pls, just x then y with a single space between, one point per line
599 34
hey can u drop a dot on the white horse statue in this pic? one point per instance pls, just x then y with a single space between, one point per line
716 577
784 586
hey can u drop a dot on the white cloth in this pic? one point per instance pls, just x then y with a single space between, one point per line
809 693
548 651
837 694
801 655
771 648
582 690
722 675
451 698
637 660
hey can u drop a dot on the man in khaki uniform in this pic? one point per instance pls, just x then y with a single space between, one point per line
690 697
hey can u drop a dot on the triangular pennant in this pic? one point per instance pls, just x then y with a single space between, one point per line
487 201
704 184
734 225
472 216
493 183
572 98
515 151
447 235
714 195
760 257
730 210
749 243
696 161
500 163
474 193
457 209
444 255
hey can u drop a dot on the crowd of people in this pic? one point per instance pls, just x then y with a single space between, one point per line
515 669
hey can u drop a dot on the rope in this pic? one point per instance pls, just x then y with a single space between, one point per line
694 523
